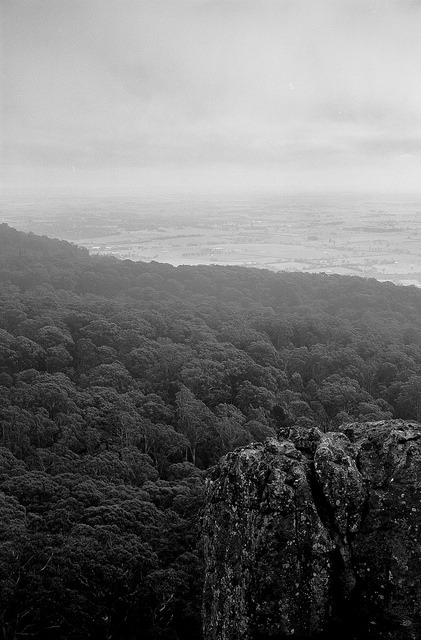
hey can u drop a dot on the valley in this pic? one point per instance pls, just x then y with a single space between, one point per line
374 237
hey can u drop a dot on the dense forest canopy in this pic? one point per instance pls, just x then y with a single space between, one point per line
121 383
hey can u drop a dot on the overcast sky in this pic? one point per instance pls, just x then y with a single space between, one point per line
211 94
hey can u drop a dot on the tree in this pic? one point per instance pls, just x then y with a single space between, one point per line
263 353
195 420
13 535
101 332
52 336
163 443
230 427
29 354
57 359
340 394
409 398
113 375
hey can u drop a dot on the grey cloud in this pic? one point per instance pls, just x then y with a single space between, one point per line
389 145
305 86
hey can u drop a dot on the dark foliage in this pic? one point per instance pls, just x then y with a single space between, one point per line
122 382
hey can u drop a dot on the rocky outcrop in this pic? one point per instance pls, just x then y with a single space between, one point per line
316 536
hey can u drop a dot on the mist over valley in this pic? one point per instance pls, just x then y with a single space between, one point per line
371 236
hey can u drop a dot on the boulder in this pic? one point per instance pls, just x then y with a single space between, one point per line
316 535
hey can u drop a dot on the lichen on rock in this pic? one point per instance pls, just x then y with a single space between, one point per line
316 536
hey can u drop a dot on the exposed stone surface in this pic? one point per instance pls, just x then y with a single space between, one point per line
317 536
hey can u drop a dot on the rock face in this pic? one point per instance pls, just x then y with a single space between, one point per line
316 536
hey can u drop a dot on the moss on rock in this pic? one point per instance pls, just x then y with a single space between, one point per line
316 535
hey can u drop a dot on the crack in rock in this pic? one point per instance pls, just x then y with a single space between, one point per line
317 536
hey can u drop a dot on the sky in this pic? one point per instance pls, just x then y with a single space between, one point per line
210 95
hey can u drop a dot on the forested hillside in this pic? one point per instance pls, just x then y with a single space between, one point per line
121 383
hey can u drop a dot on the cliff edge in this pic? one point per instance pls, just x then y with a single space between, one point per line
316 536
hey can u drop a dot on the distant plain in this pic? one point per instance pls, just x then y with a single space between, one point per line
369 236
